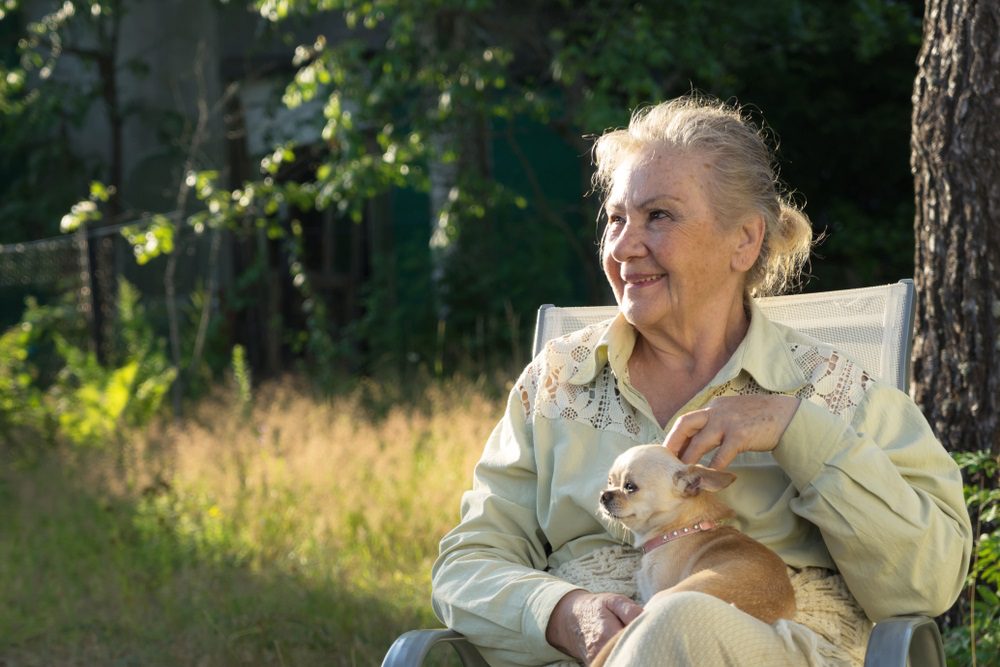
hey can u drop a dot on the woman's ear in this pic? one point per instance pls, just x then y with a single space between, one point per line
749 241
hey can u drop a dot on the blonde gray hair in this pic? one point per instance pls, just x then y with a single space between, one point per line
744 178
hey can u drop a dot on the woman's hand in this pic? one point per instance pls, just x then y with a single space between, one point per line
582 622
732 424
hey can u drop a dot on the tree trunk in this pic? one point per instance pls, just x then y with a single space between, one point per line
956 166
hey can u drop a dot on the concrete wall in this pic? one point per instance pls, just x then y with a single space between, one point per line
177 41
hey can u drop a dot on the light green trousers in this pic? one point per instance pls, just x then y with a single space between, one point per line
698 630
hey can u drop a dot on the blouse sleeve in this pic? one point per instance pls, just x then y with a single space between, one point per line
887 499
489 581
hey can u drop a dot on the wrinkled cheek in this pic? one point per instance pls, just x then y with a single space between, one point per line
612 271
617 288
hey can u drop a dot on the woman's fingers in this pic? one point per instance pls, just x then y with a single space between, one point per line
723 457
731 425
685 428
625 609
582 622
695 434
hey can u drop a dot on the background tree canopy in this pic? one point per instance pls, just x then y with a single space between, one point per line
454 137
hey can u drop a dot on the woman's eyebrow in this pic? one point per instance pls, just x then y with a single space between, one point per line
652 201
645 204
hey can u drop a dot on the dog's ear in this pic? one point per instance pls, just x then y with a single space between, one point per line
697 478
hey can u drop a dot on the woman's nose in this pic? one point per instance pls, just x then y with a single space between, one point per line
628 243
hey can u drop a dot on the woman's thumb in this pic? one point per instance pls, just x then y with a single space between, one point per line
624 608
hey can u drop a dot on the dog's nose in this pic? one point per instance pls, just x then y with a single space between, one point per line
607 497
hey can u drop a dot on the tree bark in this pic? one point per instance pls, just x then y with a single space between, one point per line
955 159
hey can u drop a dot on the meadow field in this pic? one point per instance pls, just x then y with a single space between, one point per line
291 531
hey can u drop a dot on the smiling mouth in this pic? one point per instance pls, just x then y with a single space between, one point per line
639 281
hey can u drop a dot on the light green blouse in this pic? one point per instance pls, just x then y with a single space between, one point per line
858 483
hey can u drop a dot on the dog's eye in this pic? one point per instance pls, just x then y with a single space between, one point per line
630 487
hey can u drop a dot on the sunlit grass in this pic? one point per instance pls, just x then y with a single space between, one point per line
299 532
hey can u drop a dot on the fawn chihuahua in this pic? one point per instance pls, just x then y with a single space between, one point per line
671 509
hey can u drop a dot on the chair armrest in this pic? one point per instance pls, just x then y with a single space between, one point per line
411 648
905 641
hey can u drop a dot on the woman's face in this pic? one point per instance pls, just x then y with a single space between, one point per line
665 253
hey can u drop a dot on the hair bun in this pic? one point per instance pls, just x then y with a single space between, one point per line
788 248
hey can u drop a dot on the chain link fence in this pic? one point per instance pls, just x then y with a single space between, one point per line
86 265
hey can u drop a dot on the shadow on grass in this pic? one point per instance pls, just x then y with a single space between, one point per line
83 582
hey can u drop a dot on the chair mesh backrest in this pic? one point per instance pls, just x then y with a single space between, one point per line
872 325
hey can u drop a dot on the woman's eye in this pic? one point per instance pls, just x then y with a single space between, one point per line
659 215
616 219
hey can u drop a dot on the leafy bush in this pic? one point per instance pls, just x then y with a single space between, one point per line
21 401
53 386
975 640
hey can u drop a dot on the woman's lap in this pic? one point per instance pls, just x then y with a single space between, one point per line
687 629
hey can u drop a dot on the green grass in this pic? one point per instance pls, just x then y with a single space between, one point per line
302 535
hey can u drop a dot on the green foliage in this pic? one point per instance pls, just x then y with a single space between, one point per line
975 639
90 399
475 117
151 239
95 402
200 321
244 382
21 399
30 367
52 385
836 93
448 73
67 72
319 350
87 210
36 116
397 326
178 530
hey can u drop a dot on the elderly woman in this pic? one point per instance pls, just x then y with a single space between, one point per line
837 473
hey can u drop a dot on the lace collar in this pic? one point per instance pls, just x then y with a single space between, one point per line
763 354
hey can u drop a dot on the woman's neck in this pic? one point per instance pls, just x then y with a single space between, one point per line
698 345
670 366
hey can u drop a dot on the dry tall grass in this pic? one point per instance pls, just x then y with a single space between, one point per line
299 531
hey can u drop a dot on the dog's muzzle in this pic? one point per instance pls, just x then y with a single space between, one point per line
607 500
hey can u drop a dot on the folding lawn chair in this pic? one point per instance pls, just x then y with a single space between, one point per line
872 325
